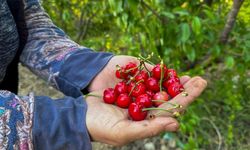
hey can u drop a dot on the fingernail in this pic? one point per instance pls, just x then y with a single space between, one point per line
173 127
199 83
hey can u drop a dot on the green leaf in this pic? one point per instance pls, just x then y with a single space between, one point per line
185 32
168 14
209 14
191 55
196 25
216 50
182 13
229 62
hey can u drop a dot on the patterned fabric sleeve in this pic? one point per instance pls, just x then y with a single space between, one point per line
16 117
28 122
53 56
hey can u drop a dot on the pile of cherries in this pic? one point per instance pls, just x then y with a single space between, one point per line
141 89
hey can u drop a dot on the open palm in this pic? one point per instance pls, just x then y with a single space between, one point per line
110 124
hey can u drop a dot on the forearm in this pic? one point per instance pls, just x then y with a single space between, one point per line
28 122
53 56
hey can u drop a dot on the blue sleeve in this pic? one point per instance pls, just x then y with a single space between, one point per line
52 55
29 122
60 124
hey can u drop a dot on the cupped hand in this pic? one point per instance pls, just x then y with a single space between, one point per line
106 78
110 124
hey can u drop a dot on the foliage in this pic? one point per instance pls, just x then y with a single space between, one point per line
185 34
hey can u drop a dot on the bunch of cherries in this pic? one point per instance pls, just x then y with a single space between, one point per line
141 90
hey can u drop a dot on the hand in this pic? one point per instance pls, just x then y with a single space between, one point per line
106 78
110 124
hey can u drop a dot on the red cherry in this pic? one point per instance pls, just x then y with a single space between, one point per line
175 89
121 73
120 87
132 67
109 96
156 71
169 81
153 84
163 96
144 99
171 73
123 100
142 76
136 113
150 93
137 90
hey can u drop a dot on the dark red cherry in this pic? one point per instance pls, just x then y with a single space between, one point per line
171 73
150 93
131 68
163 96
120 87
136 113
142 76
144 99
156 71
153 84
175 89
137 89
123 100
121 73
169 81
109 96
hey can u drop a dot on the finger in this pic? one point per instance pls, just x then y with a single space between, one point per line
184 79
148 128
193 87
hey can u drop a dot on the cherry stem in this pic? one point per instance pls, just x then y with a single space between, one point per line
127 71
87 95
161 109
118 67
161 66
145 59
135 86
138 72
163 101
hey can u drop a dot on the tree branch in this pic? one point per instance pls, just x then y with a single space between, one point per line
230 20
162 19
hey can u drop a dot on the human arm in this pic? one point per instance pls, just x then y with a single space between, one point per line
52 55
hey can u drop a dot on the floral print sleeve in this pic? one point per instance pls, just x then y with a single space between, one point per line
38 122
53 56
16 117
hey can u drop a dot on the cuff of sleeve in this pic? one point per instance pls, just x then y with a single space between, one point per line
79 70
60 124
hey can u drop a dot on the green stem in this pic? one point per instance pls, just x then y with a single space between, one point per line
127 71
118 67
135 87
163 101
161 109
161 65
87 95
146 68
144 59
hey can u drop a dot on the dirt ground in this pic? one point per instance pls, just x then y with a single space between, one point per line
31 83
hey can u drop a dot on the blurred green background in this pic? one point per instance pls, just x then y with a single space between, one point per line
196 37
